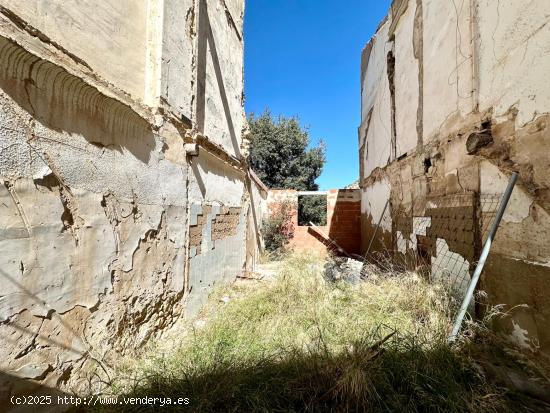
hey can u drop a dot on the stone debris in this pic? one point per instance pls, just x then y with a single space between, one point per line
344 269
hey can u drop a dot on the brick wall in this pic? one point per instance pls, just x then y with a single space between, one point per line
343 221
345 224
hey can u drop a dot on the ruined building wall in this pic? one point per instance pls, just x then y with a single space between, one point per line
342 226
124 191
454 98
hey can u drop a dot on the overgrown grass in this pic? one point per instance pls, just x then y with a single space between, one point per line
302 344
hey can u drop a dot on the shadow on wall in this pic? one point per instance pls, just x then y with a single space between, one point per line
19 395
329 245
375 236
207 42
198 177
79 350
45 336
206 164
255 219
65 103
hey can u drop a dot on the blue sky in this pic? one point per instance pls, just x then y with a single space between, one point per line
302 57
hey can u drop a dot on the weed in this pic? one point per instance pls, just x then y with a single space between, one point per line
300 343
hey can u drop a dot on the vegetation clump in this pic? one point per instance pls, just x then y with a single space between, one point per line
278 229
312 209
301 343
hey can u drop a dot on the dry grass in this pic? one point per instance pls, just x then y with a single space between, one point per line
301 343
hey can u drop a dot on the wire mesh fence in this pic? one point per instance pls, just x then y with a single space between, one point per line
444 244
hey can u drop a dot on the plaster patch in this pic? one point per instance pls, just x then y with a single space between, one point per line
373 200
493 181
520 336
402 243
450 268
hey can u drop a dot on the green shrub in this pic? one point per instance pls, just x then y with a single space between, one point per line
278 229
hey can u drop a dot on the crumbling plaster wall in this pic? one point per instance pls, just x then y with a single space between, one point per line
99 196
481 112
218 253
375 130
93 222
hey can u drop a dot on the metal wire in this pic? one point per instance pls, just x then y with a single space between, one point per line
445 243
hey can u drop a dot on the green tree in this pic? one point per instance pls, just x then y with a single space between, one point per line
281 155
312 208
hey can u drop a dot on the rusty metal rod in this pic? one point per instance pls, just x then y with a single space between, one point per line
484 253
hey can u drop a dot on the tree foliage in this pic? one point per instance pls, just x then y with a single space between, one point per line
281 155
312 208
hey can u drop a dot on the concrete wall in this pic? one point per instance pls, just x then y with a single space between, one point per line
125 193
343 221
470 105
117 25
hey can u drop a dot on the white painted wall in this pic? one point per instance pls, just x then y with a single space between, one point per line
447 65
514 50
406 83
224 115
373 200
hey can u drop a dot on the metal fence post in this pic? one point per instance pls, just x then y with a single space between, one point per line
484 253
